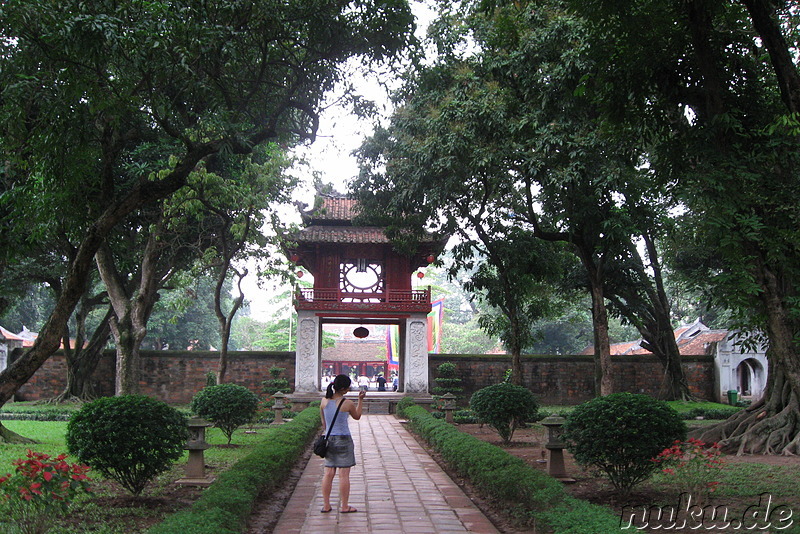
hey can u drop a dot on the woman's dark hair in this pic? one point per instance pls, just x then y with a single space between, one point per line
339 383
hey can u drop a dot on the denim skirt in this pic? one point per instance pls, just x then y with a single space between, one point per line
341 452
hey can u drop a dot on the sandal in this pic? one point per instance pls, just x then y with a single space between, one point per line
349 510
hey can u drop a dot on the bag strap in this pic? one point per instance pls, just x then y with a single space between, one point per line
334 418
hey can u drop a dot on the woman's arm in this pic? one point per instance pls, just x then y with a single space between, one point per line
356 409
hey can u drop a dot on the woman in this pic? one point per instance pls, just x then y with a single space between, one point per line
341 453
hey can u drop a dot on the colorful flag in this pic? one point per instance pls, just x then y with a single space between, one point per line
393 347
435 317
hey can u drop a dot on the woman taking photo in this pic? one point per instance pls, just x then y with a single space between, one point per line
341 453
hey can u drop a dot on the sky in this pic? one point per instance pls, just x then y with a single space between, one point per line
331 158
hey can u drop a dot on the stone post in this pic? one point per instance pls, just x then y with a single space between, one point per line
278 408
555 460
196 444
449 405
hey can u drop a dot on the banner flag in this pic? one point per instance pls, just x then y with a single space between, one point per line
435 317
393 346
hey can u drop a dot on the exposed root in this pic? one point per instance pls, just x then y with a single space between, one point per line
768 427
7 436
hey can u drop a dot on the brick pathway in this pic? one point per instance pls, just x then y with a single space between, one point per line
396 486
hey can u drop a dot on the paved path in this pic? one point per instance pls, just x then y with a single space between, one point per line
396 486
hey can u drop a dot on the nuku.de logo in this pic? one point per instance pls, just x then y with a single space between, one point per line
686 515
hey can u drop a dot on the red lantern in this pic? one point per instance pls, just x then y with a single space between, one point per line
299 274
431 258
361 332
294 258
420 275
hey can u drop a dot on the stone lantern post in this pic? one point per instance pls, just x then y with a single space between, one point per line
448 407
278 407
196 444
555 460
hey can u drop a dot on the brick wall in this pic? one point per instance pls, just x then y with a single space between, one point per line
175 376
172 376
570 379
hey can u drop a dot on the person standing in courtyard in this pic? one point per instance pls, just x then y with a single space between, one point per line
341 451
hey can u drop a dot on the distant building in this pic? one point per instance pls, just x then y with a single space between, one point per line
8 343
745 372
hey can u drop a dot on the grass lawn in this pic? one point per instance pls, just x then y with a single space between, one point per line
110 509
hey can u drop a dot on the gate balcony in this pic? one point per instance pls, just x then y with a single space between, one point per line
336 300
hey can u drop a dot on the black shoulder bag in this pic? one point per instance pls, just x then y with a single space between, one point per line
321 444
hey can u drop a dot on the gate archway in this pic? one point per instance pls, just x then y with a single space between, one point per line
360 280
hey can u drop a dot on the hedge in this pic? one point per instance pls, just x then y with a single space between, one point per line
529 496
226 505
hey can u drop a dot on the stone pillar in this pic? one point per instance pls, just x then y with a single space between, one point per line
416 356
307 357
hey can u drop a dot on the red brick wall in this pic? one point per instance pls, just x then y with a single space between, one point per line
172 376
570 379
175 376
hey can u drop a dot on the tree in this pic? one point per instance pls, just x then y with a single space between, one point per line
240 209
88 85
717 105
501 135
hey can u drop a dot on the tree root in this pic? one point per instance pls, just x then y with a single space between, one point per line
7 436
764 428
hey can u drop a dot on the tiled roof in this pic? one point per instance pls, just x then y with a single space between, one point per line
9 336
698 344
335 209
341 234
355 351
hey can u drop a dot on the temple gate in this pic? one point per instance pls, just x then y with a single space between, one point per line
359 279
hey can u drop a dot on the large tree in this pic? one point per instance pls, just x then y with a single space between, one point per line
717 103
505 133
86 84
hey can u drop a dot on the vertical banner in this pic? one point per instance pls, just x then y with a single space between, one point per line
435 317
393 347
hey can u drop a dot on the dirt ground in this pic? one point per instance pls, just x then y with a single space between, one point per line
528 444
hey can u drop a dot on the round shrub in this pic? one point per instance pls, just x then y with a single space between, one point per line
130 439
619 434
504 407
228 406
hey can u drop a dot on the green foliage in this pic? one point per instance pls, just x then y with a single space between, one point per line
225 507
619 434
528 496
404 404
41 487
504 407
277 382
447 381
130 439
211 379
228 406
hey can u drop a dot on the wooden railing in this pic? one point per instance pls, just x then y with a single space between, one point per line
413 299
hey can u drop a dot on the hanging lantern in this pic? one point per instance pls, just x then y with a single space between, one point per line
431 258
294 258
299 274
361 332
420 275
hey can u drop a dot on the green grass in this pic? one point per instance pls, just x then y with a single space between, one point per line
51 438
684 406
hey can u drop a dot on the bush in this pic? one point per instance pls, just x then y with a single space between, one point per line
225 506
404 403
130 439
527 496
619 435
228 406
504 407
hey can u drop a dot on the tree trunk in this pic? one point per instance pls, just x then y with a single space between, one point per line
7 436
82 363
49 339
602 347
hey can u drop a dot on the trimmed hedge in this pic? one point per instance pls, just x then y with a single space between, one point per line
226 505
529 496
